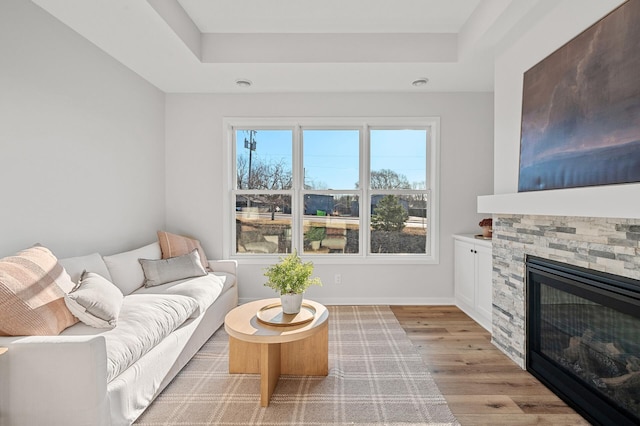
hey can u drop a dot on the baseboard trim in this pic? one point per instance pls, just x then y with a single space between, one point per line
482 321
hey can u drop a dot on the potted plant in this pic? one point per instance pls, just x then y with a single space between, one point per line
291 277
487 227
315 235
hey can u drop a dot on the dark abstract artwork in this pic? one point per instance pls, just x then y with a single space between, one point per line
581 109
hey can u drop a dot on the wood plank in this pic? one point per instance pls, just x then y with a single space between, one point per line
473 370
469 358
522 420
491 386
542 404
453 344
483 404
450 330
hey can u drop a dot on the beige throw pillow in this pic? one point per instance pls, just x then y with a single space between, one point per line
173 245
32 289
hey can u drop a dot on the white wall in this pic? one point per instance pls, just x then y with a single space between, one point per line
81 141
517 55
194 174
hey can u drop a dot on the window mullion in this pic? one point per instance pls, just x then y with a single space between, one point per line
365 204
298 187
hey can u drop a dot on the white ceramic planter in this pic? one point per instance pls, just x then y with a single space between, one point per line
291 302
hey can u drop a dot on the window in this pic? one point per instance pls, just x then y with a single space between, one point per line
331 217
398 196
333 188
263 195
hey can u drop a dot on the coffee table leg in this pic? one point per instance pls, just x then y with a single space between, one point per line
244 357
307 357
269 371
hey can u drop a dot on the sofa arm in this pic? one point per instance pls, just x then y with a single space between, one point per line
228 266
54 380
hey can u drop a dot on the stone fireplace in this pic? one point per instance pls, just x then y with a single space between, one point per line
607 245
602 244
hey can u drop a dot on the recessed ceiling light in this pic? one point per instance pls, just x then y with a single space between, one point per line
420 82
243 82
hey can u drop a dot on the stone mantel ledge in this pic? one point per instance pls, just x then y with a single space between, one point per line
611 201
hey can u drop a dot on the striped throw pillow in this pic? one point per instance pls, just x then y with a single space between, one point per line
173 245
32 289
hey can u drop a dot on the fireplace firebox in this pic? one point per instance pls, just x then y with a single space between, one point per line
583 339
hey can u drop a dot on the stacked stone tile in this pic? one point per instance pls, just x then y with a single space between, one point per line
608 245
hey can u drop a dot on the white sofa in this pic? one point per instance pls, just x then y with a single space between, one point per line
90 376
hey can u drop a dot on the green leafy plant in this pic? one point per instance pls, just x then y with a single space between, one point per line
389 215
291 275
316 233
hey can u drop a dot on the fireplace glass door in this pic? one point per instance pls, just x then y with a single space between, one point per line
584 340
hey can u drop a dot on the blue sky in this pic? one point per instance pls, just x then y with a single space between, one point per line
331 156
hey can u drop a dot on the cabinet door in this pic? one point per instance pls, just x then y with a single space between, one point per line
484 294
464 273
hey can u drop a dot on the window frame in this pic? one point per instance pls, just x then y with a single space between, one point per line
297 192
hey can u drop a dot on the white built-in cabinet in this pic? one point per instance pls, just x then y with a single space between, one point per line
473 278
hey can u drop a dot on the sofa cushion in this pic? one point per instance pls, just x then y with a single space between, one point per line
145 319
162 271
173 245
95 301
126 272
75 266
205 290
32 289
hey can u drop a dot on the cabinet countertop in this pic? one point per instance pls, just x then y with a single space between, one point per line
470 238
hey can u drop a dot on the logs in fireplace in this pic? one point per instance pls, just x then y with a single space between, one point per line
583 339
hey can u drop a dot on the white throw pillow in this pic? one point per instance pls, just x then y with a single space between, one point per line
125 269
164 271
95 301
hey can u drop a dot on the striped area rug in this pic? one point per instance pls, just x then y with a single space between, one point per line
376 377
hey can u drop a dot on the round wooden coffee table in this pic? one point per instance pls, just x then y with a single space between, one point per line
258 348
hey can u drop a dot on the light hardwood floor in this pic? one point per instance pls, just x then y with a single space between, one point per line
481 385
